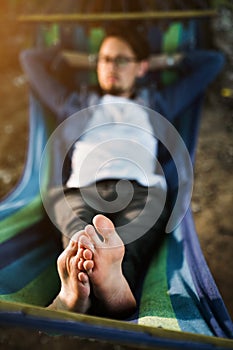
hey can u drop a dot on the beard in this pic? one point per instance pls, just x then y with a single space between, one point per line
115 91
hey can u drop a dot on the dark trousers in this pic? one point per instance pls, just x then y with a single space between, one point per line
137 212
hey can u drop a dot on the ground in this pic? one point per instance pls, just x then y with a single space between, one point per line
212 193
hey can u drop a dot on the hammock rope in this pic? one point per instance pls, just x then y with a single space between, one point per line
117 16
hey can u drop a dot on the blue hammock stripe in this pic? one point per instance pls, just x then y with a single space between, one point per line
184 297
19 246
28 187
211 303
12 274
27 240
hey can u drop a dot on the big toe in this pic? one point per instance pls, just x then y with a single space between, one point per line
106 229
102 221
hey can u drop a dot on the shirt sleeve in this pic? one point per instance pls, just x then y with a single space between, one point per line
51 92
201 68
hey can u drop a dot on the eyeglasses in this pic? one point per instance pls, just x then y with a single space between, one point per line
118 61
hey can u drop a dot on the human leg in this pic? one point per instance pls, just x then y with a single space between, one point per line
70 212
141 225
115 298
75 287
110 287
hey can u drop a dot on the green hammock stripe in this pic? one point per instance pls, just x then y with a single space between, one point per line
172 37
23 218
40 291
157 311
171 41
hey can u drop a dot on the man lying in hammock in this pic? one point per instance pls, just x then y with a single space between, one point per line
107 248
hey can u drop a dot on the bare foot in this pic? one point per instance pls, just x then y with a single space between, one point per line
109 284
75 285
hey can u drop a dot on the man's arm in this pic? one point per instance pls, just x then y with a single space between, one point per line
163 61
53 94
80 59
201 69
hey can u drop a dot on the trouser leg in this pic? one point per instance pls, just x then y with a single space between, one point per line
70 213
73 208
142 227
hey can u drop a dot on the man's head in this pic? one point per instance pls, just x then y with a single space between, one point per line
122 58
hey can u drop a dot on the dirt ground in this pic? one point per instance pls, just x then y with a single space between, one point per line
212 194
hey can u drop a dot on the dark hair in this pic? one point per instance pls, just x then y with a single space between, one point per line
134 37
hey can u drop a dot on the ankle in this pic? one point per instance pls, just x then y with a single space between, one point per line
58 304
